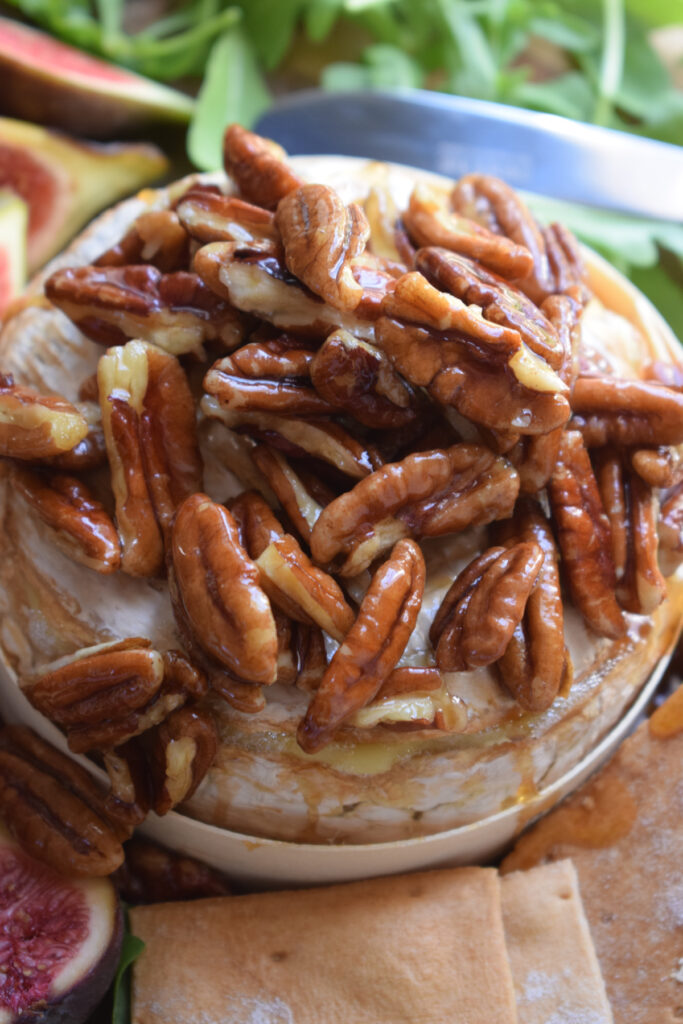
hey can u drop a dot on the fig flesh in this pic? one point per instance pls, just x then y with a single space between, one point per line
60 940
51 83
66 182
13 226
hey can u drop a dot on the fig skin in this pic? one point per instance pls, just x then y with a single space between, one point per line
75 1004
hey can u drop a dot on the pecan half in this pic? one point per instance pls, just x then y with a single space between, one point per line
257 522
413 698
180 752
258 167
254 278
79 524
358 379
483 606
35 426
104 695
627 412
53 808
305 593
500 301
429 222
267 377
658 467
155 237
534 664
153 874
318 438
219 591
632 511
211 216
584 537
371 648
311 657
175 311
427 494
321 237
484 391
295 497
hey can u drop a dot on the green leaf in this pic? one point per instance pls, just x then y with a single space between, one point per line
389 67
270 25
233 90
569 95
319 18
656 13
567 31
477 71
131 949
343 76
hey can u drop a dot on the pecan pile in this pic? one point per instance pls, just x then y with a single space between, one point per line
384 377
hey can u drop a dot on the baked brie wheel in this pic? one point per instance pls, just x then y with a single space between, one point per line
340 502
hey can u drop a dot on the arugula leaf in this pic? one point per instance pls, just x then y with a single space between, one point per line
131 949
320 17
233 90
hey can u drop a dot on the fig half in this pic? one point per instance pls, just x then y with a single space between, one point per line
60 940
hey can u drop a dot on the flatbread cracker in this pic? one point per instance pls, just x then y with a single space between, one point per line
415 949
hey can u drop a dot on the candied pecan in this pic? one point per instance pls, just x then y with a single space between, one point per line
382 213
311 656
429 222
500 301
413 699
79 524
180 751
404 247
371 648
318 438
321 237
219 592
671 522
258 167
358 379
627 412
150 430
104 695
245 697
175 311
565 260
181 676
257 522
88 454
35 426
584 537
267 377
290 489
631 509
535 663
497 207
53 808
483 607
658 467
376 277
211 216
153 874
670 374
155 237
254 279
426 494
286 655
304 592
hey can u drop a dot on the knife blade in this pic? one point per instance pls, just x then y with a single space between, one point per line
455 135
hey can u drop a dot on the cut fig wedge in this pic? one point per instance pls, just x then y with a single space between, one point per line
60 940
13 228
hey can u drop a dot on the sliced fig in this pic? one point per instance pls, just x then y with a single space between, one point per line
51 83
13 227
65 182
60 940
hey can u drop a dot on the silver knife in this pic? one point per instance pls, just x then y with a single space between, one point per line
454 135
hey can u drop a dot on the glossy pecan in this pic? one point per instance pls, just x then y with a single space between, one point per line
321 238
500 301
413 698
320 439
304 592
358 379
219 592
371 648
253 277
627 412
181 676
632 510
292 492
311 657
483 607
584 537
88 454
382 213
659 467
175 311
427 494
257 523
180 751
258 167
484 391
104 695
267 377
78 523
429 222
35 426
153 874
535 664
565 261
53 808
210 216
155 237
